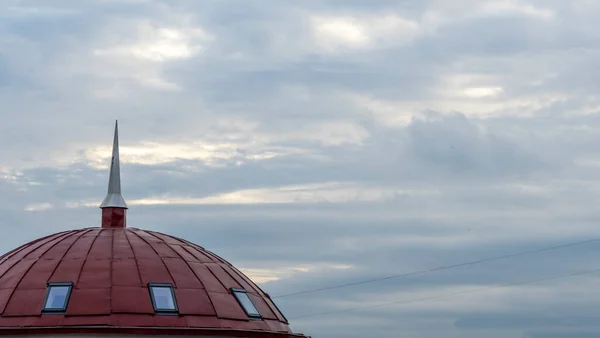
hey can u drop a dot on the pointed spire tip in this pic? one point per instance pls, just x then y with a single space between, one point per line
113 198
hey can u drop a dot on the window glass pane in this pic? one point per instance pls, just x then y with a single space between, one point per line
57 297
163 298
247 304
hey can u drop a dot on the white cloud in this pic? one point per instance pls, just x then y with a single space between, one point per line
159 44
328 192
342 31
214 154
482 92
515 6
139 51
479 101
283 272
389 113
339 33
445 13
327 133
39 207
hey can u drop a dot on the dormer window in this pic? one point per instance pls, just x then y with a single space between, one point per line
246 303
163 297
57 297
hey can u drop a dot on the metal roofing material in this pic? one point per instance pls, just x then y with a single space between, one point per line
110 269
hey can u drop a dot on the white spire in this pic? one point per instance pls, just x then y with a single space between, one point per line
113 198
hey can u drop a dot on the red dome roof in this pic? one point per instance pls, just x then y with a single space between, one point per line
110 270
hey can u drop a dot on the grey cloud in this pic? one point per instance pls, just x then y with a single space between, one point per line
521 178
578 334
526 322
464 148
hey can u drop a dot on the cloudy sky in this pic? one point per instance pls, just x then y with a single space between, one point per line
320 142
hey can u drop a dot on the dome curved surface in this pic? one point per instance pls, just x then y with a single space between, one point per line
110 270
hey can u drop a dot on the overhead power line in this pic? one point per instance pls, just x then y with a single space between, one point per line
414 300
446 267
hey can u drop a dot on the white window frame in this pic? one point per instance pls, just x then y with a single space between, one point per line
236 293
175 310
51 285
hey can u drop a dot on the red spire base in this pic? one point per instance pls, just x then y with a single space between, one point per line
113 217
